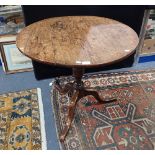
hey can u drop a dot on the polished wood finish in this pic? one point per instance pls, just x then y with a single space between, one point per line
75 41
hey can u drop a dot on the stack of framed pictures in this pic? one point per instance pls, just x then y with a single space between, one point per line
12 59
11 23
11 19
147 50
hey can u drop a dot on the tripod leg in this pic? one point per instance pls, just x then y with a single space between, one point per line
71 108
97 97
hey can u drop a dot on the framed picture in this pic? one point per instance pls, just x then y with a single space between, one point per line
147 34
6 38
13 60
146 49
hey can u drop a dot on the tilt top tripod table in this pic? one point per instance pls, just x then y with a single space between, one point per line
77 42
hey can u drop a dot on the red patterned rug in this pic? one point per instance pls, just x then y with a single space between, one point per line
128 123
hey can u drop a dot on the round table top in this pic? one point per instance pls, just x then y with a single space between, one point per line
75 41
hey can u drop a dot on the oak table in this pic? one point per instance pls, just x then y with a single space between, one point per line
77 42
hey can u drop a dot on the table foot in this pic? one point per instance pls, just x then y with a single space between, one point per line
97 97
71 110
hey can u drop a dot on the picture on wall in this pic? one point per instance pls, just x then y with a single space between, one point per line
13 60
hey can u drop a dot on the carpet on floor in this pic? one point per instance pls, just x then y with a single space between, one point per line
22 121
128 123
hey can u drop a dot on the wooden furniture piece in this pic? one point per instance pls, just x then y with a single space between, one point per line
130 15
77 42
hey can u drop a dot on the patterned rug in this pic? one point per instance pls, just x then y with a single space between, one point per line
128 123
21 127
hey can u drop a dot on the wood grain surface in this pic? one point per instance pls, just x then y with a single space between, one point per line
76 41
